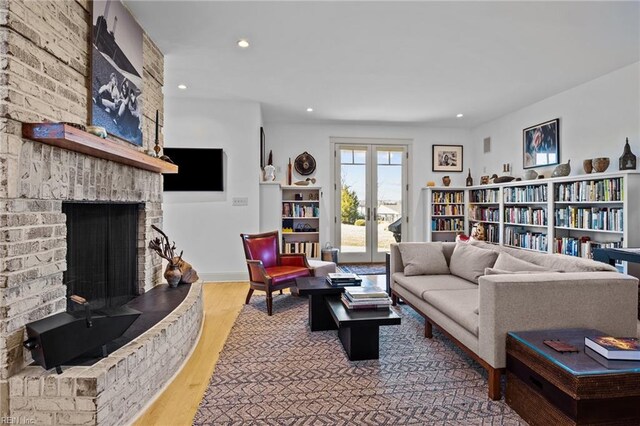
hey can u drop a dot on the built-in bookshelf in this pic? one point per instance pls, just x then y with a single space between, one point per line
570 215
300 220
445 213
484 207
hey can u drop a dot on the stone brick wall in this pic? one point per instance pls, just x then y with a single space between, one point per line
44 75
116 388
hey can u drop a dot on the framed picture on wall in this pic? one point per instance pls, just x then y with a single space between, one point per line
447 158
541 144
116 71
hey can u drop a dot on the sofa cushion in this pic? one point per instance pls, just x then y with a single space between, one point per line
417 285
506 262
496 271
459 305
469 262
423 259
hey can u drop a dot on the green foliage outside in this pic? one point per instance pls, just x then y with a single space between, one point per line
350 202
359 222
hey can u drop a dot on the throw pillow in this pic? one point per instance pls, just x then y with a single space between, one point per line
506 262
496 271
423 259
469 262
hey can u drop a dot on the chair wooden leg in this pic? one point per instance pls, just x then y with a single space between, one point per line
280 291
394 299
269 303
246 302
428 329
495 390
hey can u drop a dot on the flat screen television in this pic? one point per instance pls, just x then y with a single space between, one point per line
199 169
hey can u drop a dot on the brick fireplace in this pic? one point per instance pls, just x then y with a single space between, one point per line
44 75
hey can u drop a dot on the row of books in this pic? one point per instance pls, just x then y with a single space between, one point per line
448 209
299 210
604 219
484 214
309 248
448 224
447 197
526 194
343 279
581 247
526 215
592 190
484 195
525 239
357 298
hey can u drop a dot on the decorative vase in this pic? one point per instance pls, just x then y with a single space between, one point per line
601 164
587 165
269 173
289 173
446 180
173 275
628 160
530 175
562 169
469 179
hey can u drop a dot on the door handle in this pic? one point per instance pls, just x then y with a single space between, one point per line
375 214
368 214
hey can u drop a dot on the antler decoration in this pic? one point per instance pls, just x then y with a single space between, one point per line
163 247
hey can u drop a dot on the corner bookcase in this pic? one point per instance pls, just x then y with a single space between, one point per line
445 207
300 220
570 215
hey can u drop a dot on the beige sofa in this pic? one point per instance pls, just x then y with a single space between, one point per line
477 317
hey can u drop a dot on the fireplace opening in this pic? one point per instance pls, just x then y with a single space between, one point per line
101 253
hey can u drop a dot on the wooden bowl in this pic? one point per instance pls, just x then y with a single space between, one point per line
600 164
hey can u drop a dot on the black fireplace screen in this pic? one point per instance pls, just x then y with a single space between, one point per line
101 253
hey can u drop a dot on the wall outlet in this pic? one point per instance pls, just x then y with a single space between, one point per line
240 201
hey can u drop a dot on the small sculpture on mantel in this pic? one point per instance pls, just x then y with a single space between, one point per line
469 179
178 271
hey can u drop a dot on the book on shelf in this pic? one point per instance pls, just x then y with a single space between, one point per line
582 246
526 194
590 218
456 197
591 190
484 195
448 224
526 215
311 249
615 348
369 292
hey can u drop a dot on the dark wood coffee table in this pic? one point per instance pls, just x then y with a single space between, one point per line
359 331
547 387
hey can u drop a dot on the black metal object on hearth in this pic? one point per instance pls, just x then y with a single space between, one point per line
62 337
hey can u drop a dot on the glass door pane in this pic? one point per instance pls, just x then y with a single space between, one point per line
388 190
353 175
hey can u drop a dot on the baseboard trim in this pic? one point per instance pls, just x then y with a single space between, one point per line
224 276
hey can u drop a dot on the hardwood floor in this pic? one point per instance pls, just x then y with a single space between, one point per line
178 403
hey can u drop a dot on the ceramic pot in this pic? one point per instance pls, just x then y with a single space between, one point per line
600 164
587 165
173 275
562 169
446 180
530 175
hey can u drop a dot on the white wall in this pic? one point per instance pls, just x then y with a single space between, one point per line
289 140
205 224
595 119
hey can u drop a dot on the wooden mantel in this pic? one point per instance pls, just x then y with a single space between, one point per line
68 137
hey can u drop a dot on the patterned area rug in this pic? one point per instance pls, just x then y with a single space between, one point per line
274 371
363 269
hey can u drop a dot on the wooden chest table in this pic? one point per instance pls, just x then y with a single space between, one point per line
546 387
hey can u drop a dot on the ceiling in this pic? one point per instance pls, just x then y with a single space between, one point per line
392 62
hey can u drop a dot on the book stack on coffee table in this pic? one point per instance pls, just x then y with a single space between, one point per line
338 279
613 352
369 297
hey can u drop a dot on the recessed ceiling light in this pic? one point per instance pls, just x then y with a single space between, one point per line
309 109
243 43
182 86
460 115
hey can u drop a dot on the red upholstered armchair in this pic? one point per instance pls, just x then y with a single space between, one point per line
268 269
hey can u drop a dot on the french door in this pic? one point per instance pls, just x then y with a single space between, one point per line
370 199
